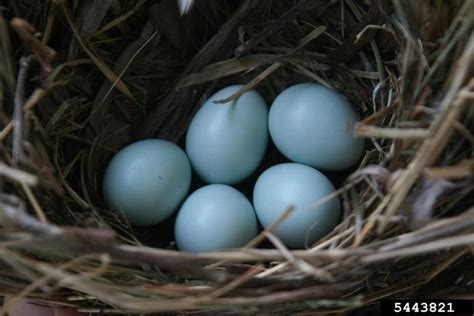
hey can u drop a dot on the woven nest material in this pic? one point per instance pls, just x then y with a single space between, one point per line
93 76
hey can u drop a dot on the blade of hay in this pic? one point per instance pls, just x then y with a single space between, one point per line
91 14
310 74
392 133
436 230
129 54
119 20
262 235
250 255
18 175
320 246
429 247
226 68
251 84
109 74
299 264
462 170
236 282
36 205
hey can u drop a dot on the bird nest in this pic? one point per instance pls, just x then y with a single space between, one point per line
81 79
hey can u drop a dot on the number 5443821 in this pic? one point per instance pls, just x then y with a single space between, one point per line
423 307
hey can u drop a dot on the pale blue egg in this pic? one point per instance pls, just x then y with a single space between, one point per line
300 186
147 181
226 142
312 124
215 217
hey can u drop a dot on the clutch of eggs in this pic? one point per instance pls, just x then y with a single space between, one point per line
226 141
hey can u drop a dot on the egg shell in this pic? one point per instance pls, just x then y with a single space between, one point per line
215 217
300 186
226 142
311 124
147 181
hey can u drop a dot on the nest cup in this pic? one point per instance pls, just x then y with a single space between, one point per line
80 81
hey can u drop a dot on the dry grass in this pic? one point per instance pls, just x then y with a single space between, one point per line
125 70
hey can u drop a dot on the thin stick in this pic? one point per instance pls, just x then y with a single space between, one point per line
35 97
299 264
461 170
236 282
392 133
314 249
261 236
18 175
34 202
49 25
252 83
18 111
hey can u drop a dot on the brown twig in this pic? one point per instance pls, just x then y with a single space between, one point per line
43 53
